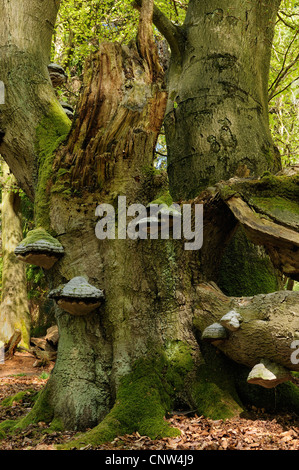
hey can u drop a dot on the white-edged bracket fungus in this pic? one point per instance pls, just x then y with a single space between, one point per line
39 248
57 75
68 109
214 333
231 320
77 297
149 225
162 217
268 374
169 215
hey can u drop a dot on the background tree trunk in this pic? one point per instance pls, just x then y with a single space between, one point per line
217 114
14 312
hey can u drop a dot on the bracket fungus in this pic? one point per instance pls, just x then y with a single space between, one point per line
214 333
39 248
149 225
268 374
77 297
231 320
160 218
68 109
169 215
57 75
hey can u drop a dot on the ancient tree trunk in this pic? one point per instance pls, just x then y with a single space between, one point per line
217 114
14 312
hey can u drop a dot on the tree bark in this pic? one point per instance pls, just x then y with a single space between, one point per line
216 120
25 42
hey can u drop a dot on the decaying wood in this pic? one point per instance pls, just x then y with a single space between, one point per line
45 348
52 336
268 210
43 357
12 344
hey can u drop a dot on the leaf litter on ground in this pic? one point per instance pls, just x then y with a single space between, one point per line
258 431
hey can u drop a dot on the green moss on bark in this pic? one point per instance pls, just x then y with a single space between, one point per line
278 209
245 269
213 391
142 401
144 397
39 234
6 427
51 132
42 411
269 186
9 426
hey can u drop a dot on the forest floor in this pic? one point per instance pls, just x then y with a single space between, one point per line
258 431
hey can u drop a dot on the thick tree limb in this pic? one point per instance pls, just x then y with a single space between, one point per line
281 242
171 32
268 326
147 47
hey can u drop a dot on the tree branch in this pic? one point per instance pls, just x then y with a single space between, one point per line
283 89
171 32
284 70
145 39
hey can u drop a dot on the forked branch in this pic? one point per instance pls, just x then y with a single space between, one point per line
171 32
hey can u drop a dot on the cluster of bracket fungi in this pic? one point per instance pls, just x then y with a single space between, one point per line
266 373
77 297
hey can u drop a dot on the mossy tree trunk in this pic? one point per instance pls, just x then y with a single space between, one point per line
124 366
14 312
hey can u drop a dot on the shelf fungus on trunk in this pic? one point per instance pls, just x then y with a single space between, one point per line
148 225
77 297
268 374
68 109
214 333
169 215
39 248
160 220
57 75
231 320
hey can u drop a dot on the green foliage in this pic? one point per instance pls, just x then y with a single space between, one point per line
81 26
284 83
36 282
44 375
